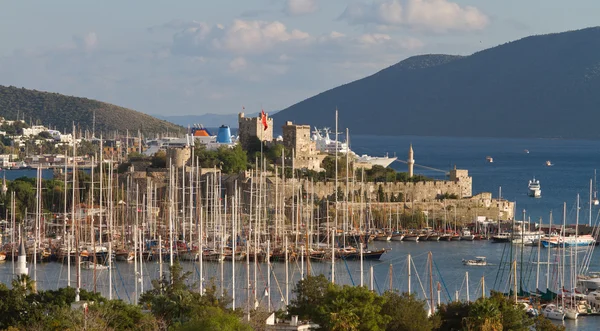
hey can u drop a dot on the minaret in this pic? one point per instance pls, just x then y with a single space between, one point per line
411 161
22 261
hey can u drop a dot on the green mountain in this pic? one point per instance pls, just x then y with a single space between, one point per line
538 86
61 111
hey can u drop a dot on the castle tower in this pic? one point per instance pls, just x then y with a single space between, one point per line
22 261
411 161
253 127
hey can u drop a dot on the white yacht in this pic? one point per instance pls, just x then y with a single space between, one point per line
535 190
478 261
553 312
325 144
383 161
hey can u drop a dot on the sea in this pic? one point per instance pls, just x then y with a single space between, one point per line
515 162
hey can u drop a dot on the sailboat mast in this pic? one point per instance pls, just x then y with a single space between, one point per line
590 206
73 222
573 281
346 191
110 229
233 242
537 274
548 252
335 190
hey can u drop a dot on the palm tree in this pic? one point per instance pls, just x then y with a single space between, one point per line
24 283
484 316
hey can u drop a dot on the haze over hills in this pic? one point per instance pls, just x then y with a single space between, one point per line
60 111
208 120
538 86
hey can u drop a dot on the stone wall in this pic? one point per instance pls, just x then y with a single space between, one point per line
420 191
179 156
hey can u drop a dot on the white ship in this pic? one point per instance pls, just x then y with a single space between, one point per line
383 161
325 144
535 190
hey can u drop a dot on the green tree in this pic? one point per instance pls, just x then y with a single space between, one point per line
214 319
309 293
485 316
452 314
335 307
119 315
406 312
169 299
159 160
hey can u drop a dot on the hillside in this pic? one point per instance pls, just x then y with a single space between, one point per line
538 86
60 111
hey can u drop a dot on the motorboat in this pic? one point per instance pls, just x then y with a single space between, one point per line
553 312
502 237
477 261
576 241
489 159
535 191
467 235
549 164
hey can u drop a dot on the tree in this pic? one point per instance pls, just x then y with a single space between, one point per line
169 299
335 308
119 315
406 312
214 319
452 314
485 316
544 324
159 160
309 294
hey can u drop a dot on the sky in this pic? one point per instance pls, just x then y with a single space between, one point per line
191 57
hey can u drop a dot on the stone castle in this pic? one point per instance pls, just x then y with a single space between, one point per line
423 195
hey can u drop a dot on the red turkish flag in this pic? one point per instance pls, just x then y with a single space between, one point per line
264 119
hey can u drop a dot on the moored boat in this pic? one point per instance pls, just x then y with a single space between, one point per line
477 261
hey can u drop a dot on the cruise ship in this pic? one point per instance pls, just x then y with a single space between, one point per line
325 144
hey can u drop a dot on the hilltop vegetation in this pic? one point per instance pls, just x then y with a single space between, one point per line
539 86
61 111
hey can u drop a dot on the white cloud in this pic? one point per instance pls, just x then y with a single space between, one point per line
237 64
241 37
87 42
430 15
374 38
300 7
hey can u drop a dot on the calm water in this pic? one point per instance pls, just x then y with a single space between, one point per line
574 164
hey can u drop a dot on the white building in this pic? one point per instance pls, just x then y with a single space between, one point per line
34 130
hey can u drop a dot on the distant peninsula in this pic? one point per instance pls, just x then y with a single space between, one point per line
62 111
543 86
